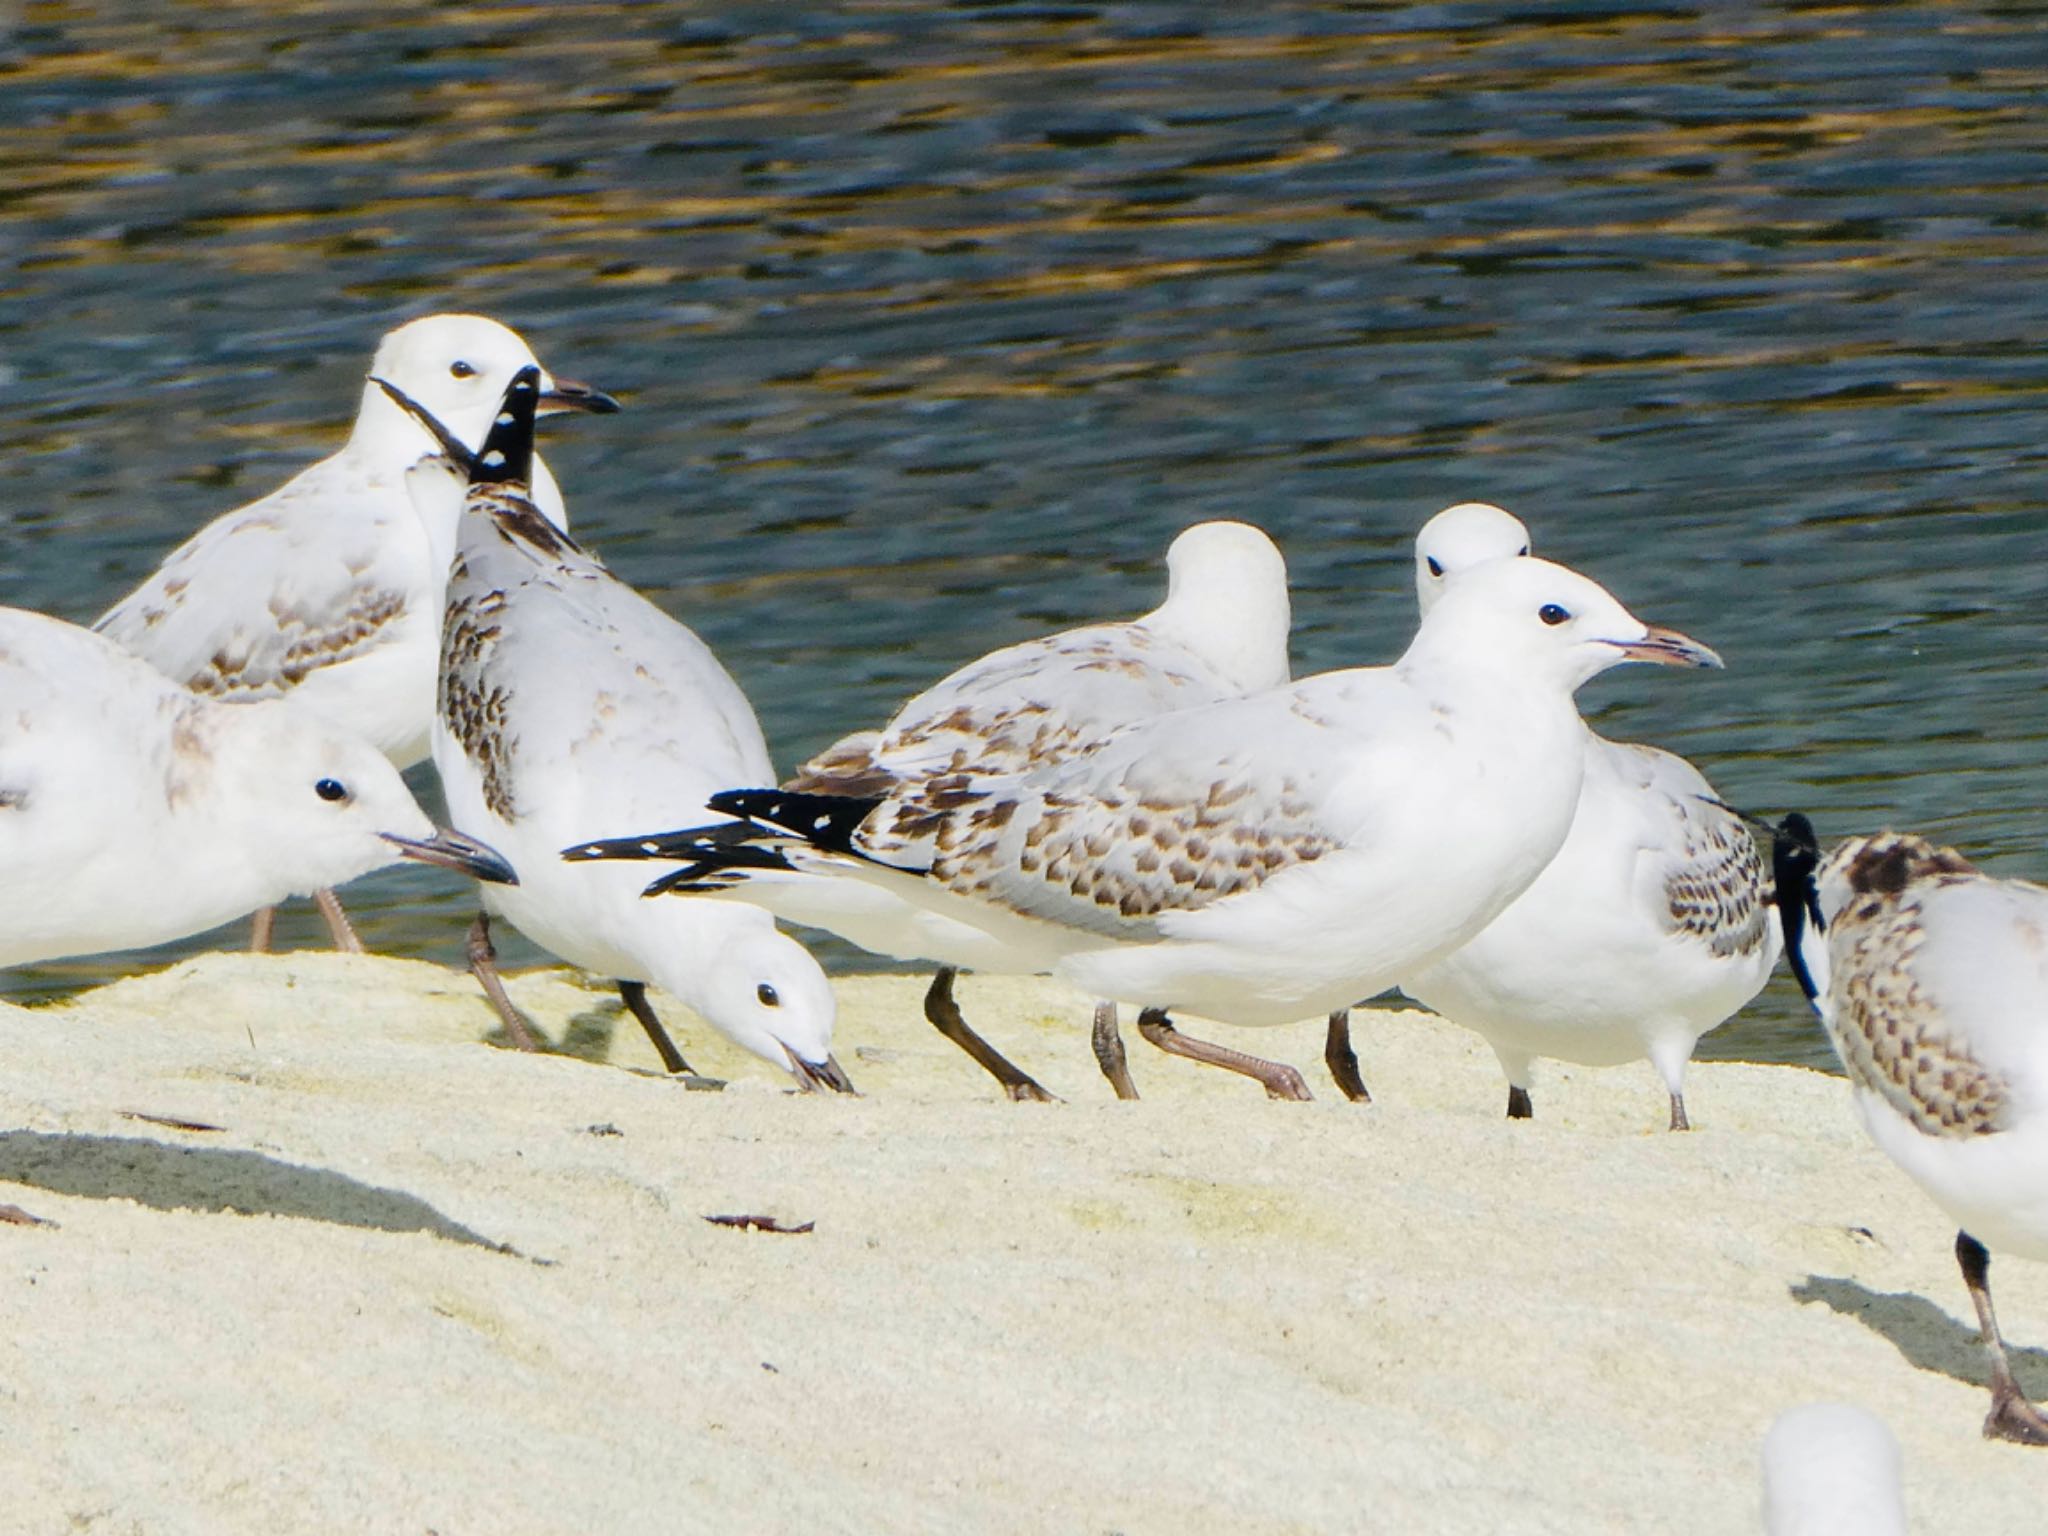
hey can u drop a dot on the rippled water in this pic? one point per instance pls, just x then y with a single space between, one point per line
936 322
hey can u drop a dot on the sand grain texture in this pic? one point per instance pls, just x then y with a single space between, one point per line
417 1284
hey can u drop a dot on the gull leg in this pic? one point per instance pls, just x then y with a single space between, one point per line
634 995
262 925
1670 1056
1519 1107
945 1015
483 965
2012 1417
1109 1051
15 1216
1281 1081
338 924
1342 1060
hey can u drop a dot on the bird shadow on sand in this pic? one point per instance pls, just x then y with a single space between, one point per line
1928 1337
214 1179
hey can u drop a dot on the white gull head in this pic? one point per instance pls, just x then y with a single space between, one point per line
314 806
764 992
1226 600
1544 623
457 368
1460 537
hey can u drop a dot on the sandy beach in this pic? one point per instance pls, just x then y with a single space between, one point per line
396 1280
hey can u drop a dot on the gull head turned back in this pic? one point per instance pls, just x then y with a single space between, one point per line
1460 537
1226 601
1531 620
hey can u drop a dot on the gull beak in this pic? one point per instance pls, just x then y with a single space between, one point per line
457 851
810 1079
569 395
1667 648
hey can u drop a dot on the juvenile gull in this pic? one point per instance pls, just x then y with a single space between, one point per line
1929 976
330 588
1650 926
565 699
1265 859
133 812
1220 633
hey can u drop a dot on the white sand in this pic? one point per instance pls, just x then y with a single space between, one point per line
1203 1312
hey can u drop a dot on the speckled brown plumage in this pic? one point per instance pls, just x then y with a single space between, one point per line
472 705
1889 1034
1719 892
1129 856
306 649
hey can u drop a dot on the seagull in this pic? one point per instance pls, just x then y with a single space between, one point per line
1928 975
329 589
1220 633
565 697
1263 859
134 812
1650 927
1832 1469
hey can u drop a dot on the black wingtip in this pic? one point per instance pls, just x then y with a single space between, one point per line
506 457
717 868
824 821
685 843
1795 855
451 445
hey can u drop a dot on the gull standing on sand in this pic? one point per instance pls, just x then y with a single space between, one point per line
1221 633
1651 926
1265 859
133 812
329 589
567 699
1929 976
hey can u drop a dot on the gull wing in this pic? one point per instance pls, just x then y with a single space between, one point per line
315 573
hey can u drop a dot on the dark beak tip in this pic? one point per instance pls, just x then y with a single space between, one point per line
459 852
569 395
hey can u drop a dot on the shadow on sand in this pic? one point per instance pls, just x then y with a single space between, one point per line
170 1178
1928 1337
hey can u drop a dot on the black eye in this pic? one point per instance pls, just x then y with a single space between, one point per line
768 996
461 370
331 789
1434 568
1550 613
1523 550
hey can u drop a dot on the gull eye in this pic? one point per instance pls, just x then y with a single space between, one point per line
461 370
768 996
331 790
1551 613
1523 551
1435 569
